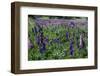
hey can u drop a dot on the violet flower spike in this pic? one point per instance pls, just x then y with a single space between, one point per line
71 48
43 48
67 35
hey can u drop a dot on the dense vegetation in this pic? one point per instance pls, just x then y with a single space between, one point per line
46 41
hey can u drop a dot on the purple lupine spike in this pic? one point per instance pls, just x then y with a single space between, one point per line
71 48
43 48
30 45
72 24
67 35
41 37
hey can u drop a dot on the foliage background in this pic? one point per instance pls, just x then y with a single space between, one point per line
58 45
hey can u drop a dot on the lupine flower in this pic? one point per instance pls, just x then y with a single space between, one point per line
67 35
71 24
41 37
71 48
42 48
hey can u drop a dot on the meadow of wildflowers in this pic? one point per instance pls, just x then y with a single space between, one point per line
57 37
